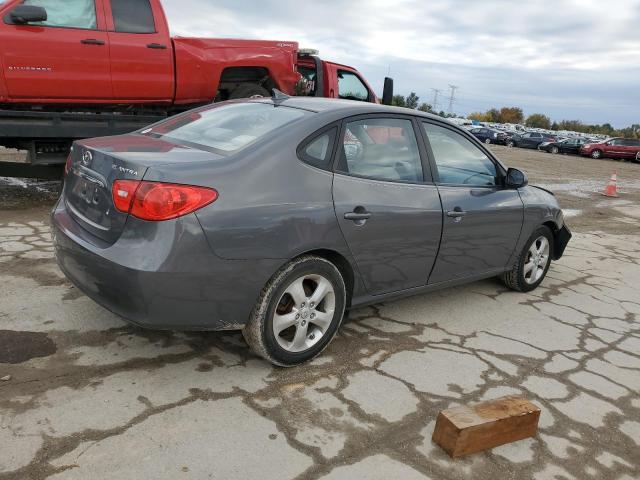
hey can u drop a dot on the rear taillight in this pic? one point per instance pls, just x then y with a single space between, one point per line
156 201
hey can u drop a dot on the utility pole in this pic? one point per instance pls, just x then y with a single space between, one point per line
436 92
452 97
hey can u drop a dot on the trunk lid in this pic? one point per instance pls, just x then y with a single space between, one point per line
97 163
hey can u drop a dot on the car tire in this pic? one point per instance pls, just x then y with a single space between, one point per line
487 141
555 150
596 154
527 273
638 157
249 91
301 335
511 144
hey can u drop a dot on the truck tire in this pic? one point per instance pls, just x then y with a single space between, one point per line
248 91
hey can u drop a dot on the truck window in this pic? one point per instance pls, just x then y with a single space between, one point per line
67 13
350 87
133 16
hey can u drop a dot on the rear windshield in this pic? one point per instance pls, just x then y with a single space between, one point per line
225 129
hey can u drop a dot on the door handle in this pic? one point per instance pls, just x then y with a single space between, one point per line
92 41
157 46
456 213
357 216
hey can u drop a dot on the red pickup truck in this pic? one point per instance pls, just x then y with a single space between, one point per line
85 68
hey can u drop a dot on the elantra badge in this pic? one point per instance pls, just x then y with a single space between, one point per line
86 158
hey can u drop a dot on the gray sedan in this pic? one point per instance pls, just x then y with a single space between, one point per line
275 216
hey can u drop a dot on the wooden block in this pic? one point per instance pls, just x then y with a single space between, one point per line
469 429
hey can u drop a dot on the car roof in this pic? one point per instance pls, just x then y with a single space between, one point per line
348 107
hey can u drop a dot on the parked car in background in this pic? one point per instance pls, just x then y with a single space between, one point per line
567 145
490 135
623 148
529 140
274 216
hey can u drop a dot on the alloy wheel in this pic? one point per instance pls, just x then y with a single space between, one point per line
537 260
304 313
554 150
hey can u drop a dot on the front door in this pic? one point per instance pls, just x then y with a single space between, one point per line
482 219
388 210
65 57
141 52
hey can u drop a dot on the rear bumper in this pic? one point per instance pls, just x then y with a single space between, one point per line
165 278
561 240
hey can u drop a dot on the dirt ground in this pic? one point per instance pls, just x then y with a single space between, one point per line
87 396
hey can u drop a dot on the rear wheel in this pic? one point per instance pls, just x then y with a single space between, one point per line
248 91
487 141
511 143
638 157
298 312
533 263
596 154
555 150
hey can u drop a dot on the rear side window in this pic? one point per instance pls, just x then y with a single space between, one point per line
133 16
317 151
67 13
225 129
382 149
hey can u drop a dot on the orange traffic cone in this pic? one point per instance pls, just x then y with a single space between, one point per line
611 190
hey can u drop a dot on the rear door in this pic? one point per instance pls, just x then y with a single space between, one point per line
65 57
482 219
388 209
142 66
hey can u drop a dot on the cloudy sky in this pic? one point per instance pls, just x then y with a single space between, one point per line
569 59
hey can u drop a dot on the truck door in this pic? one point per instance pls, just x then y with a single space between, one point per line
141 51
63 58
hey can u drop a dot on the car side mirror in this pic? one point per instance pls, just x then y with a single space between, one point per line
23 14
387 94
516 178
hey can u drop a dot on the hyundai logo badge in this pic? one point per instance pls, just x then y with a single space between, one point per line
86 158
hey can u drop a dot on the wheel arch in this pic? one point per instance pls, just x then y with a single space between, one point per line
342 264
237 76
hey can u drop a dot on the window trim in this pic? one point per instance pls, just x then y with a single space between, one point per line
501 170
7 21
300 150
422 153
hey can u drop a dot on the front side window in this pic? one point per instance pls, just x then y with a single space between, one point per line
350 87
133 16
67 13
382 149
225 129
458 160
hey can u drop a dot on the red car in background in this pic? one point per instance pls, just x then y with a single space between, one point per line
623 148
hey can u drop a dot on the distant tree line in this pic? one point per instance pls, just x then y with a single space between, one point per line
515 115
413 101
540 120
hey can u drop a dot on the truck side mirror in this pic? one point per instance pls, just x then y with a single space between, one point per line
23 14
387 94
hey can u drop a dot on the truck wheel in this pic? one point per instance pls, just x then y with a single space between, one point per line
248 91
298 312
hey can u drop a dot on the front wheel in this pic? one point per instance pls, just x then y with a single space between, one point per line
596 154
298 312
487 141
533 263
511 143
555 150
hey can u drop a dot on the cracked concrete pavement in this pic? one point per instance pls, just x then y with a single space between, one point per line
91 397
